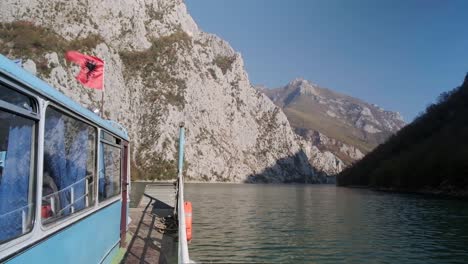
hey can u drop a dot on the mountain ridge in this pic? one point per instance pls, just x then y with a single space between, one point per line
161 71
346 126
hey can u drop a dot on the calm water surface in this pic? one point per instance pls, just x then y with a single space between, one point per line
324 224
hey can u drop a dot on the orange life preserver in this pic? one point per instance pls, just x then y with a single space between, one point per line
188 219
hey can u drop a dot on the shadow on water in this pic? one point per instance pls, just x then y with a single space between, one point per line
291 169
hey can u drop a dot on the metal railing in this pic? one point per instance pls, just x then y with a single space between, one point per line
24 213
183 246
50 198
183 252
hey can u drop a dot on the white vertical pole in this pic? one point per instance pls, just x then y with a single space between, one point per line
23 220
72 199
183 247
103 89
87 192
52 205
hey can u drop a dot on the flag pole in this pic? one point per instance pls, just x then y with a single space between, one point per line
103 89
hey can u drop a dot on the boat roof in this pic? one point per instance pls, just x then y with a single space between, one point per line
33 83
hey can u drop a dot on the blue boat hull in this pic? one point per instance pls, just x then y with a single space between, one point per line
94 239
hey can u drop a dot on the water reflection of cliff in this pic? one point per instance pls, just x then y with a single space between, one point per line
294 168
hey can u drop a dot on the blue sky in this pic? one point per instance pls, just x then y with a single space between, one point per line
399 54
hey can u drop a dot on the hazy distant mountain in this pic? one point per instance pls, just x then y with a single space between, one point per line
346 126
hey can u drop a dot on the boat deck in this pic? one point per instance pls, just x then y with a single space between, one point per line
153 227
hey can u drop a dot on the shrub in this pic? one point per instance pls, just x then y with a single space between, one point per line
224 62
431 152
157 64
23 39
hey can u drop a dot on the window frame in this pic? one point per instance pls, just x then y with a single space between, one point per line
40 101
16 109
33 174
104 141
45 226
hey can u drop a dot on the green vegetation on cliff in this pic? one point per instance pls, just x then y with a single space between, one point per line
224 62
157 67
429 154
22 39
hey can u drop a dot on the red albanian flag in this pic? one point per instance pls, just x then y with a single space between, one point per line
92 69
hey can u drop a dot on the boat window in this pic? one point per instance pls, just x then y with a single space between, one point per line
15 98
109 176
69 166
109 138
17 136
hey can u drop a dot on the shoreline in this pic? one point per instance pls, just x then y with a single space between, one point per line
457 194
171 181
247 183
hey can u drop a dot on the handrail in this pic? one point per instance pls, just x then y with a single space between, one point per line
66 188
183 246
17 209
24 216
72 203
73 200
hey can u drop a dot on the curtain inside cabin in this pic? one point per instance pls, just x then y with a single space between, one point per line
102 174
109 175
16 135
66 156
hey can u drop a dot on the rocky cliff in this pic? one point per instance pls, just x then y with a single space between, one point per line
161 70
343 128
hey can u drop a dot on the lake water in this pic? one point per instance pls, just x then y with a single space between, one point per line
324 224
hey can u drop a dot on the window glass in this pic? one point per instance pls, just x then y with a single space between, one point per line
109 176
69 166
16 175
16 98
108 137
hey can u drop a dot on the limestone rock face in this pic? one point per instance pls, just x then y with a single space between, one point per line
161 70
325 162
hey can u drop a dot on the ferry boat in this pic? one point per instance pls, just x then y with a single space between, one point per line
64 176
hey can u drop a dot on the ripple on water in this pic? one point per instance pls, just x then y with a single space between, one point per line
324 224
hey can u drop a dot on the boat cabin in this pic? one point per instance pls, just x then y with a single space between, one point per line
63 176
